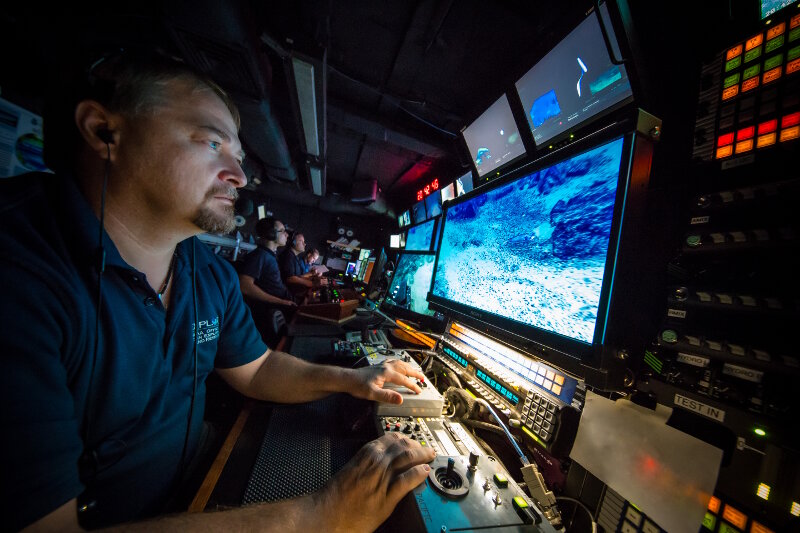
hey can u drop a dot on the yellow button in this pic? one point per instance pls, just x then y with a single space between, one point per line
501 480
422 442
520 502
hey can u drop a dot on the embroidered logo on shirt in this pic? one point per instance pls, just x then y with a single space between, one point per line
209 330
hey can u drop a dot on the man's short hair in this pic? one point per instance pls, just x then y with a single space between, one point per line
131 82
265 229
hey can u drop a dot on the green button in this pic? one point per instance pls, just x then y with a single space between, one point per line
774 44
501 480
709 521
793 53
422 442
749 72
669 336
752 54
693 240
733 79
773 62
520 502
794 34
733 63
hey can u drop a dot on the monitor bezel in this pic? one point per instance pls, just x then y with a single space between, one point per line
433 322
435 221
624 103
566 349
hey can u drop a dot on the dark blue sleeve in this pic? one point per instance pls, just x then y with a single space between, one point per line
239 341
253 264
41 440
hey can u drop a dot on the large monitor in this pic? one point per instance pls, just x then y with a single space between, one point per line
409 288
574 82
535 254
418 212
493 138
420 237
376 273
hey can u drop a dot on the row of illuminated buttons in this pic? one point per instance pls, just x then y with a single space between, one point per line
769 76
769 66
765 135
756 235
752 47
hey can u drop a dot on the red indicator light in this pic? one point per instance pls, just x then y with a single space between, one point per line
745 133
750 84
768 126
790 120
435 184
725 139
419 195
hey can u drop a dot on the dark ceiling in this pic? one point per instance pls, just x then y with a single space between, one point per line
403 77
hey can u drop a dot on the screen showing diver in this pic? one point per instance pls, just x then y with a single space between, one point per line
411 283
533 251
493 139
574 82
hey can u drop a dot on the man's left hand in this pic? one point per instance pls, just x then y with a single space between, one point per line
368 382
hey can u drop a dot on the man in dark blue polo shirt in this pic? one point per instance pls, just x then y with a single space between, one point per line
293 271
260 274
111 307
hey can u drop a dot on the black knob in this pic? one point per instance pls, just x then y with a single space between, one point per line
451 463
407 429
473 459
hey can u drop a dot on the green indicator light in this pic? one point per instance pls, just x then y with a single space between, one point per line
793 53
773 62
774 44
709 521
749 72
736 62
752 54
724 527
760 432
733 79
794 34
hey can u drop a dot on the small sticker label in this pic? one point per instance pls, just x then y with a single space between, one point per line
677 313
742 372
700 408
694 360
700 220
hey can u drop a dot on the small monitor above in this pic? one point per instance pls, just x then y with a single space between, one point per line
351 269
493 138
404 219
418 212
394 241
574 82
464 184
449 192
420 237
433 205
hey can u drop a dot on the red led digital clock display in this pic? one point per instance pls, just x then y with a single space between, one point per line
428 189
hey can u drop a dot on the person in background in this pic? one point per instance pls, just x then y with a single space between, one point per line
260 275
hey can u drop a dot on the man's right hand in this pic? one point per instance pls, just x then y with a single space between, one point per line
364 493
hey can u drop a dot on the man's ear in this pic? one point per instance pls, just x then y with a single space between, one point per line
97 126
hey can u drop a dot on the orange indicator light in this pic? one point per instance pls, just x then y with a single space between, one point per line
768 126
772 75
793 66
735 517
713 504
745 133
730 92
795 22
790 120
749 85
790 133
733 52
725 151
725 139
755 527
754 41
766 140
744 146
776 30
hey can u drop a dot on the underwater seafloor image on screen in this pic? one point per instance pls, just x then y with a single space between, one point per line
411 283
419 237
534 250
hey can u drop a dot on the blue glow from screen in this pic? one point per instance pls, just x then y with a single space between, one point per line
411 283
419 237
534 250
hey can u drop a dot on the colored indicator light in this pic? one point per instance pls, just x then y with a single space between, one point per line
736 62
752 54
754 41
734 52
725 151
768 127
763 491
793 66
790 133
795 510
766 140
725 140
709 521
772 75
773 62
793 53
774 44
790 120
745 133
794 35
795 22
744 146
760 432
735 517
755 527
749 72
776 30
750 84
713 504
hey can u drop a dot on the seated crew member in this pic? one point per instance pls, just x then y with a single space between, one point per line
292 271
260 275
309 258
98 392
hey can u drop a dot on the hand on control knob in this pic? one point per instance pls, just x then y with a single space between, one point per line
364 493
368 381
